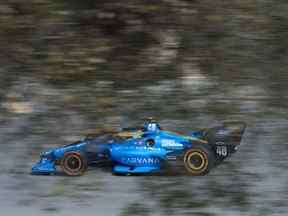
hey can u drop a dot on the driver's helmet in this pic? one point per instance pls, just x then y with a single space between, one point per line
151 125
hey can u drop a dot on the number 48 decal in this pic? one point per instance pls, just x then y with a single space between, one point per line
221 150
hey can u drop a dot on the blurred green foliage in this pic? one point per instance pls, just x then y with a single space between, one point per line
141 41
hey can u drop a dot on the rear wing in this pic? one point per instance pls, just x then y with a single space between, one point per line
229 133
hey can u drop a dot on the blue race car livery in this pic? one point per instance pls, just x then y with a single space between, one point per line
146 149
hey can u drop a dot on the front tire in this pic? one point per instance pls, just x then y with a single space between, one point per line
73 164
199 160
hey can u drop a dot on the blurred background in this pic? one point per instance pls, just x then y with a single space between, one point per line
69 66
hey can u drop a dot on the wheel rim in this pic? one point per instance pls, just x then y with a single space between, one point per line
73 163
196 161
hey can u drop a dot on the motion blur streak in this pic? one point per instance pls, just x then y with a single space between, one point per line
70 66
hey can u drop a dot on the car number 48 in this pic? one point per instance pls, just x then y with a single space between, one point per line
221 150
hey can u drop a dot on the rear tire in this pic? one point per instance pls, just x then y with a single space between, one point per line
199 160
73 164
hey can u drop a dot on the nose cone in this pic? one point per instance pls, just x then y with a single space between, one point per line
44 166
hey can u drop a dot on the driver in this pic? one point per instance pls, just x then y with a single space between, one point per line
151 125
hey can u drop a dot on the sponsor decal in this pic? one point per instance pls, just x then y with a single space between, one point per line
141 160
220 143
171 157
171 144
222 132
149 148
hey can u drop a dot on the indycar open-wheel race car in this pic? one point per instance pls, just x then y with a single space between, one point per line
146 149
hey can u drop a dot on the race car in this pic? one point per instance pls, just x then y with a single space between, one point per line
147 149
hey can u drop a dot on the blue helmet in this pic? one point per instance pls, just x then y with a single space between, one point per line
151 125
